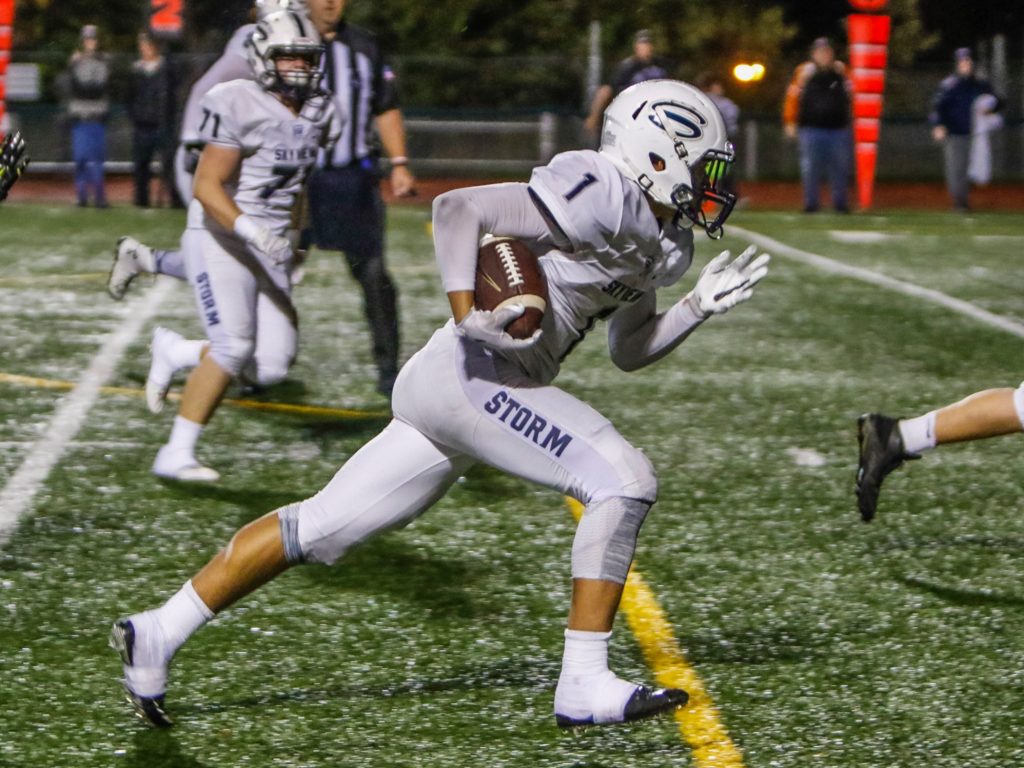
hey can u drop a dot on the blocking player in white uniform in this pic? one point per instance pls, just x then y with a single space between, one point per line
261 137
610 227
132 257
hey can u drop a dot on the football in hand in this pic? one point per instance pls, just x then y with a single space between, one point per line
507 272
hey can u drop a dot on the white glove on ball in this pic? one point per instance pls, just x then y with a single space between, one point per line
489 328
264 242
723 284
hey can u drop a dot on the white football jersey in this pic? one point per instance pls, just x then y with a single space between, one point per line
616 251
233 64
278 148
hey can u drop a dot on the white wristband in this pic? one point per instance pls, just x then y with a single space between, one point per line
247 229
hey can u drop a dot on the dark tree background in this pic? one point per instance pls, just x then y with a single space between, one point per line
471 53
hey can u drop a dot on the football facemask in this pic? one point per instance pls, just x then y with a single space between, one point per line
704 201
297 84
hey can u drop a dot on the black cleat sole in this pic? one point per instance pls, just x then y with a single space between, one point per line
645 703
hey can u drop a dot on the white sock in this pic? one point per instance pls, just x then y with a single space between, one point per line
182 615
159 634
185 353
586 687
184 435
918 433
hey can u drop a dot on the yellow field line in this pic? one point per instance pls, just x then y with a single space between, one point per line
252 405
699 723
58 277
80 277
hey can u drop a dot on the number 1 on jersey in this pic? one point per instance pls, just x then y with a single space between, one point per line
586 181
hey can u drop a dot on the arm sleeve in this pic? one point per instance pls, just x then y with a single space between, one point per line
385 87
936 116
791 106
638 336
462 216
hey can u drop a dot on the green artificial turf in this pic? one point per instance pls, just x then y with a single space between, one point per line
823 641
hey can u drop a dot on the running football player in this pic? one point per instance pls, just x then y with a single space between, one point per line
261 137
610 228
885 442
132 257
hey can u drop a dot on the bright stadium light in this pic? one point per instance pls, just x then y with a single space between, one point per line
748 73
743 73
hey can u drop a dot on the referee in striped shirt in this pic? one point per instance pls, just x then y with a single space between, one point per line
346 209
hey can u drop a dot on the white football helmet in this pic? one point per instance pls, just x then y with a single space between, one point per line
669 137
266 7
291 35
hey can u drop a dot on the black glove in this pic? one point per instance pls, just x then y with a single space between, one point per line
12 162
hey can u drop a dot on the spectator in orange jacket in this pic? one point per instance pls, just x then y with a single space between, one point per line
817 113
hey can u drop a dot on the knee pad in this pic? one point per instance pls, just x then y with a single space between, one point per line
1018 403
635 477
272 371
232 352
606 539
288 519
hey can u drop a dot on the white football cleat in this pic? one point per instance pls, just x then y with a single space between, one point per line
175 464
130 258
161 368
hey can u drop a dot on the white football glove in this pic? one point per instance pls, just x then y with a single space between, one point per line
723 284
489 328
265 243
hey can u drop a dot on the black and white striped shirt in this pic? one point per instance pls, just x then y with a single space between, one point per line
362 87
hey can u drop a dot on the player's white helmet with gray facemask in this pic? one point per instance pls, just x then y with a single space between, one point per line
291 35
669 137
266 7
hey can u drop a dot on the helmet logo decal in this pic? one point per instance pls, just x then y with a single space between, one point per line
677 119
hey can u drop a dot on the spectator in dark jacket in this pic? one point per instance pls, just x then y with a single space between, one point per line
817 112
152 111
643 65
88 106
951 118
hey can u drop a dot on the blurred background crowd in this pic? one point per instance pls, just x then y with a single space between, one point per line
491 89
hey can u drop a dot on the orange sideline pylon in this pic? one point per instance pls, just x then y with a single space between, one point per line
869 51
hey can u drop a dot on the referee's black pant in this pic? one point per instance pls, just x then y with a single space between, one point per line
347 215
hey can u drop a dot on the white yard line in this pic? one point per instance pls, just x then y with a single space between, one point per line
834 267
856 236
16 497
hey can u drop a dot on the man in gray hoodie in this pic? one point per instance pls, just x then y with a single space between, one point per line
89 75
